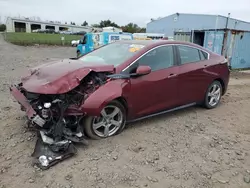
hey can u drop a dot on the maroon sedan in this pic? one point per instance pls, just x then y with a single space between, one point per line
98 93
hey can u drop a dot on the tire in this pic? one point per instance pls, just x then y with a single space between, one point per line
78 54
89 122
217 95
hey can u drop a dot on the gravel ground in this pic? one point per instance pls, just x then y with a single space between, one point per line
189 148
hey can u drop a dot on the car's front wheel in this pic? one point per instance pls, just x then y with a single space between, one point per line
213 95
78 54
110 122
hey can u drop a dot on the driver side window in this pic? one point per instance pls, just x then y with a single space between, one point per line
83 40
159 58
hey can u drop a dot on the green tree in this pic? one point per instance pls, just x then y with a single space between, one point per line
131 28
106 23
95 25
2 27
85 23
142 30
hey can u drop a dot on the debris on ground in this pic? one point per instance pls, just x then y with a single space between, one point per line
247 179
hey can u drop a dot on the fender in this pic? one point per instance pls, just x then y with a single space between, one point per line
103 95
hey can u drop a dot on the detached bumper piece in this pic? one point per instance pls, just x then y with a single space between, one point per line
55 139
48 153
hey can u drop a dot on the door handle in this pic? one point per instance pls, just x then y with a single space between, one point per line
172 75
205 65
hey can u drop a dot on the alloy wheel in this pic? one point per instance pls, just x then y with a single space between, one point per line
214 95
109 122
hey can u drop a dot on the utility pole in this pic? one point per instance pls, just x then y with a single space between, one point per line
224 52
228 16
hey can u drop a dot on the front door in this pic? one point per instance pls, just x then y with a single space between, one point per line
156 91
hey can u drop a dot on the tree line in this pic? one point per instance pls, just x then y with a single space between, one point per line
130 27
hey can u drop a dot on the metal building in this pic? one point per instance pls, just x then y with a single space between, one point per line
233 44
27 25
185 23
223 35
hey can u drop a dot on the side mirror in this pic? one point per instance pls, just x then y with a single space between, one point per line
143 70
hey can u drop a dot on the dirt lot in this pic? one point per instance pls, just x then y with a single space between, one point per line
189 148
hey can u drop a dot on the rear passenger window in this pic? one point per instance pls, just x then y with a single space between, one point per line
189 55
202 55
205 54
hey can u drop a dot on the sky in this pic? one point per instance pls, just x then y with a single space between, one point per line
121 12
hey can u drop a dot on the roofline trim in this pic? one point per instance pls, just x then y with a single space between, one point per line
217 15
48 23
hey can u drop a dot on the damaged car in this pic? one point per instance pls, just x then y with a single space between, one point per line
95 95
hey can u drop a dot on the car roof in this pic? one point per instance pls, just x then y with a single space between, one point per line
142 42
153 43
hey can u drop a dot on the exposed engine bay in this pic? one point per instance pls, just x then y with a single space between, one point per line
59 120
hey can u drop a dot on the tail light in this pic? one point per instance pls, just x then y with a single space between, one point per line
226 61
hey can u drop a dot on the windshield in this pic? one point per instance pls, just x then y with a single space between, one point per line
112 54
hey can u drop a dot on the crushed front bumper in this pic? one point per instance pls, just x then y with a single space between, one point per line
23 101
48 151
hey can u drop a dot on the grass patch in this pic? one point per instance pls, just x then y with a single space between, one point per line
27 39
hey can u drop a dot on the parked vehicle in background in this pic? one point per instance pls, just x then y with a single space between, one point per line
50 31
91 41
142 38
80 33
111 29
146 36
155 36
118 83
74 43
66 32
167 38
35 30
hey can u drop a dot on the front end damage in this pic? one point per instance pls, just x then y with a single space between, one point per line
57 118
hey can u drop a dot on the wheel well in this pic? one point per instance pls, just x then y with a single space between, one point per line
123 102
222 84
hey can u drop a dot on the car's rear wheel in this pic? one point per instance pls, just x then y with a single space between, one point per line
213 95
110 122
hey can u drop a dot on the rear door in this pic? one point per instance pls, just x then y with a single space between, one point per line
157 90
193 78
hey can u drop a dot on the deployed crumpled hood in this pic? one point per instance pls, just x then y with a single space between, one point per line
59 77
